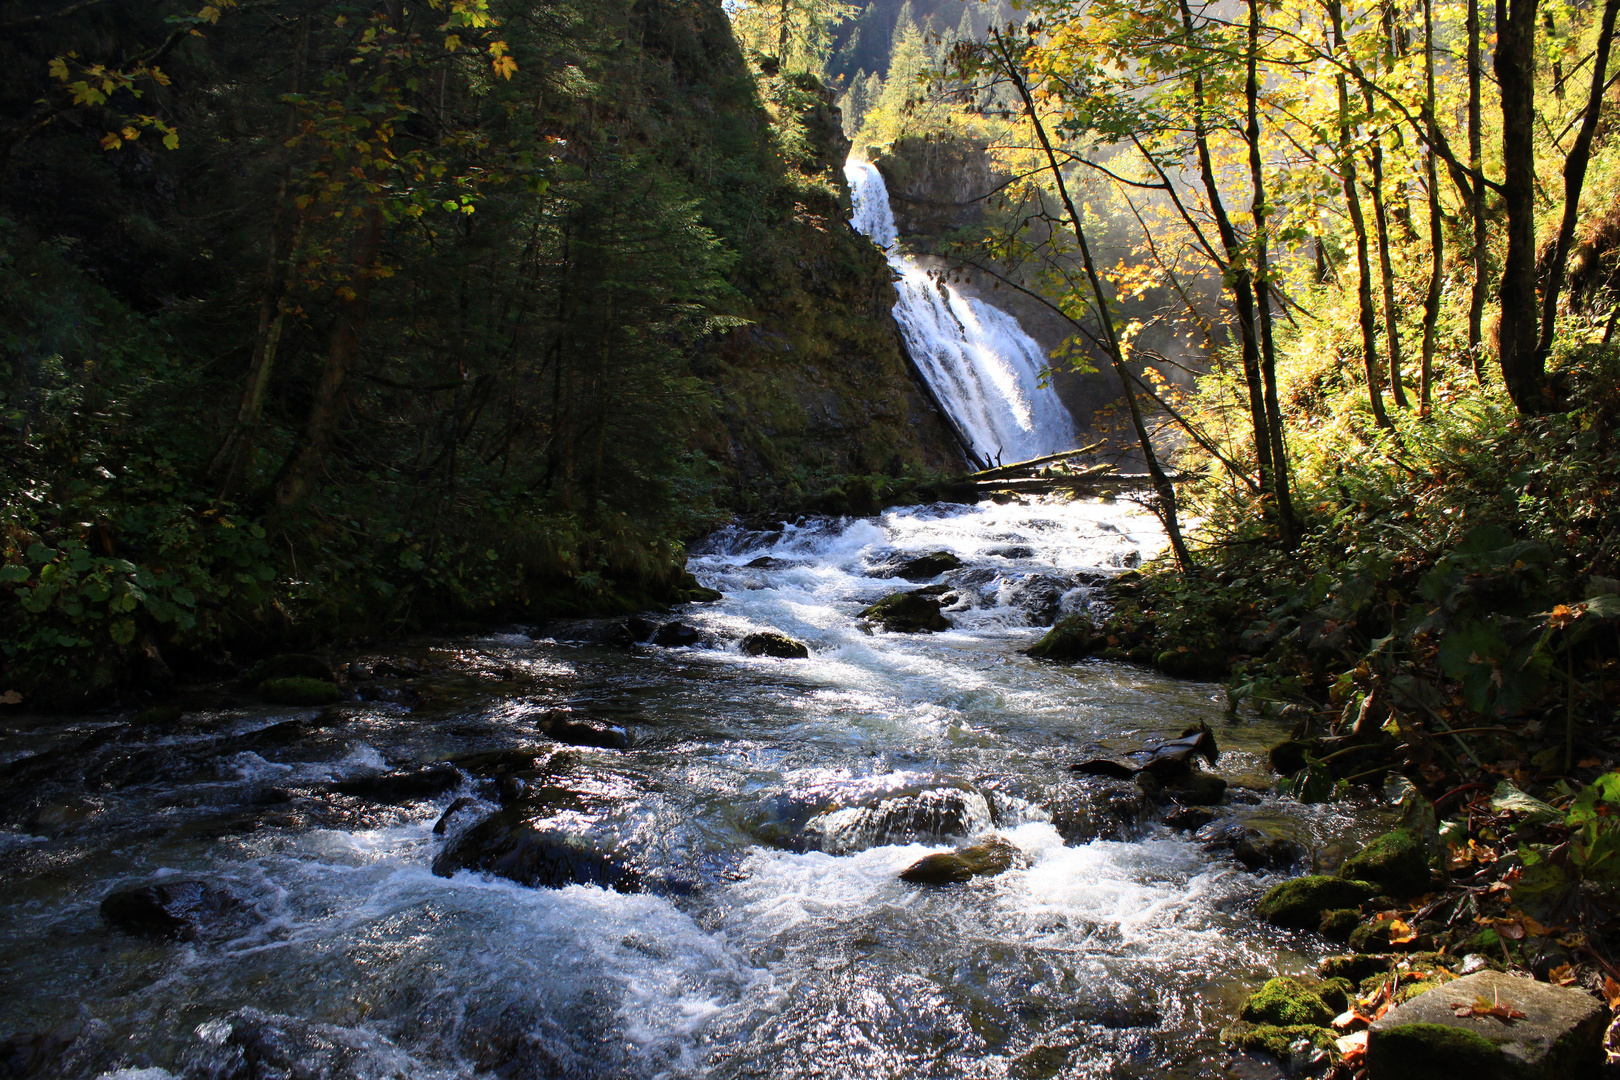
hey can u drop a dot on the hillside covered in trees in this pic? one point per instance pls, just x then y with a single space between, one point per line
331 319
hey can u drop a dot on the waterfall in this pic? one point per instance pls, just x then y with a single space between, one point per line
982 367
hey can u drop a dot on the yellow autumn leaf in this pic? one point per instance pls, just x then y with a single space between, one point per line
59 69
209 13
1401 932
505 67
111 141
130 134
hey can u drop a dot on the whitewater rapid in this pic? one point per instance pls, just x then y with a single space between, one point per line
985 371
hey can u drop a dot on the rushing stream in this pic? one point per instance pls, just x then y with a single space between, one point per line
766 807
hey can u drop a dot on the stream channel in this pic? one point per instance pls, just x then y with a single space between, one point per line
762 812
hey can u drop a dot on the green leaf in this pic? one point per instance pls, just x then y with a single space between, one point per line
14 572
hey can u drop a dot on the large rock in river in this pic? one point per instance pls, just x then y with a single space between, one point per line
987 859
1558 1036
908 613
770 643
170 909
513 844
1300 902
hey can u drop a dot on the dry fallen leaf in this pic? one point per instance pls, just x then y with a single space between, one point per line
10 697
1481 1006
1401 932
1611 991
1562 975
1352 1048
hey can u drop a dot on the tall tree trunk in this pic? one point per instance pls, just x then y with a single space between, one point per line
1262 275
1476 203
1580 154
1386 265
1523 365
1437 241
298 475
1162 486
1358 224
1238 276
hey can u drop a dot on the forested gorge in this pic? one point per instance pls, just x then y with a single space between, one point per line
324 319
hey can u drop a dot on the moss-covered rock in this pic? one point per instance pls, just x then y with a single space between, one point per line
1275 1040
1339 923
924 567
992 857
770 643
1359 967
1336 993
300 690
1425 1051
1071 638
1300 902
908 613
1286 1002
1398 861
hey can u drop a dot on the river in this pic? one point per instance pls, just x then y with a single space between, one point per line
767 804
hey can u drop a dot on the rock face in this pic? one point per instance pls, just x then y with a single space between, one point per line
769 643
1559 1037
174 909
987 859
1300 903
908 613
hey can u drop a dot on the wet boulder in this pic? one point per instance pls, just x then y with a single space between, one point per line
170 909
576 730
985 859
1557 1032
907 613
1098 809
924 567
675 635
516 845
927 817
765 562
1197 789
404 785
1011 551
1040 597
1300 902
770 643
1258 843
632 631
1071 638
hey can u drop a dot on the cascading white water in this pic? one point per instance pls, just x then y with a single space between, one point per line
983 368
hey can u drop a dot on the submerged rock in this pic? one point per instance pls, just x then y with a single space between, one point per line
1300 903
172 909
987 859
1398 861
1559 1036
1257 843
405 785
908 613
575 730
253 1045
770 643
1098 809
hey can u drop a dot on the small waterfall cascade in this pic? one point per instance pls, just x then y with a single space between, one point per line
982 367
